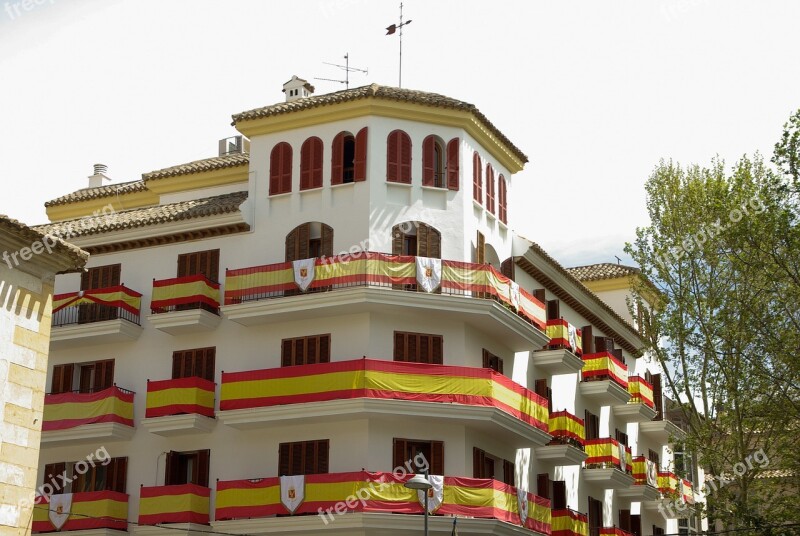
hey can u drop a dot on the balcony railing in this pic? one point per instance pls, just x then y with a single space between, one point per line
88 510
566 522
641 391
566 428
604 366
380 492
564 335
97 305
645 472
185 293
367 269
69 410
184 503
180 396
607 452
388 380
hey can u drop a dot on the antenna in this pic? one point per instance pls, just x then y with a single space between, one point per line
619 261
347 70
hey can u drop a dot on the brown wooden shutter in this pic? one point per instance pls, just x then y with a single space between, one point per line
207 370
172 469
507 268
423 232
397 240
203 462
658 397
559 495
303 237
52 472
490 188
508 472
327 241
62 378
399 452
287 353
322 447
306 153
553 310
480 256
316 163
437 458
543 486
117 475
603 344
429 161
587 339
453 173
478 462
275 171
393 156
291 245
502 198
324 348
101 277
360 159
284 459
625 520
539 294
286 167
337 159
405 158
103 375
477 182
437 350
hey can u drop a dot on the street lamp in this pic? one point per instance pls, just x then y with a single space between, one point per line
421 482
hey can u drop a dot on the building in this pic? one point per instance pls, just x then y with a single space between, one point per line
270 340
27 271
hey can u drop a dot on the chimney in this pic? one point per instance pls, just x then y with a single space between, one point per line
297 89
96 180
234 145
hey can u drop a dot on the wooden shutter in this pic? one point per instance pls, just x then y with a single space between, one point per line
636 525
284 458
201 472
200 262
322 448
397 240
625 520
398 452
405 158
303 237
592 423
275 170
658 397
588 340
437 458
508 472
559 495
541 389
617 352
62 378
287 353
280 172
291 245
603 344
117 475
52 472
360 159
491 361
490 188
453 172
477 182
478 462
172 469
543 486
393 157
553 310
502 199
539 294
327 241
480 257
103 375
507 268
337 159
429 161
437 345
654 457
311 163
101 277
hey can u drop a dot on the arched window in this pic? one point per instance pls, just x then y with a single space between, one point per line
489 188
398 157
311 164
280 169
349 157
453 158
417 239
433 162
310 239
477 180
502 199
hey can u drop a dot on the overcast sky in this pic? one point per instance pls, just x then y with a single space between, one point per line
594 92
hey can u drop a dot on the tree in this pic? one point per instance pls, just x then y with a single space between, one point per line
724 249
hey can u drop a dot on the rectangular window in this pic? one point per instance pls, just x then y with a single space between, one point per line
491 361
418 347
187 468
94 377
595 516
198 362
406 450
303 457
306 350
487 466
592 422
99 477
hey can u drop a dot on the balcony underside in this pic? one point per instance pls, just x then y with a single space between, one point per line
639 493
662 431
668 508
88 433
369 524
634 413
561 454
103 332
557 361
483 314
180 322
499 424
174 425
604 392
608 478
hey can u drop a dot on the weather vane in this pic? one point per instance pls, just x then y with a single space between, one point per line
392 29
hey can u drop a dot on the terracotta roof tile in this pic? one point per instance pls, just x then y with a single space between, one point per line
77 256
603 270
110 190
377 92
206 164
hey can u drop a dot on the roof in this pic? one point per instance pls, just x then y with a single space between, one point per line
110 190
141 217
197 166
76 257
603 270
377 92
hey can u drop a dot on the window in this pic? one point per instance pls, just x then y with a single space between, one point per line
398 157
204 263
418 348
62 378
96 278
306 350
198 362
491 361
405 450
311 164
625 520
433 173
303 457
595 516
502 199
312 239
418 239
349 157
653 457
621 437
92 377
280 169
489 188
453 164
483 466
477 180
98 477
187 468
555 490
480 249
541 389
592 423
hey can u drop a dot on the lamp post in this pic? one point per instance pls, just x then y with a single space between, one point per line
421 482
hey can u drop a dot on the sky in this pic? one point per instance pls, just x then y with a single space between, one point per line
595 92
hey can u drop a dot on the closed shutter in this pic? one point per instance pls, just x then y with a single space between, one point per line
337 159
508 472
453 172
101 277
625 520
280 169
478 462
286 167
52 471
397 240
322 448
62 378
553 310
489 188
291 245
429 242
200 262
398 452
437 458
103 375
303 237
405 158
559 495
603 344
284 457
393 157
543 486
203 462
502 199
172 474
480 257
360 160
311 163
117 475
327 241
539 294
287 353
429 161
507 268
306 350
587 340
658 397
477 182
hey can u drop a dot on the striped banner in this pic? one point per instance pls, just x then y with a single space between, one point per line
603 365
606 452
567 425
185 503
119 296
641 468
668 483
613 531
68 410
181 395
641 391
363 491
687 491
90 510
391 380
558 331
566 522
184 290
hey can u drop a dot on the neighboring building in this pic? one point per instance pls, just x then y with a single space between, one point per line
27 270
257 382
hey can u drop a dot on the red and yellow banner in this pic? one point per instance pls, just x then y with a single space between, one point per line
380 492
688 492
606 451
89 510
190 289
68 410
367 268
667 483
641 391
118 296
603 365
566 522
185 503
558 330
392 380
567 425
613 531
181 395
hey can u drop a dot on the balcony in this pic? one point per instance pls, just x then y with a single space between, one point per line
566 522
179 406
377 282
252 505
609 463
96 316
677 496
566 447
91 510
605 380
640 407
187 304
645 486
662 431
76 417
562 354
184 503
479 398
613 531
